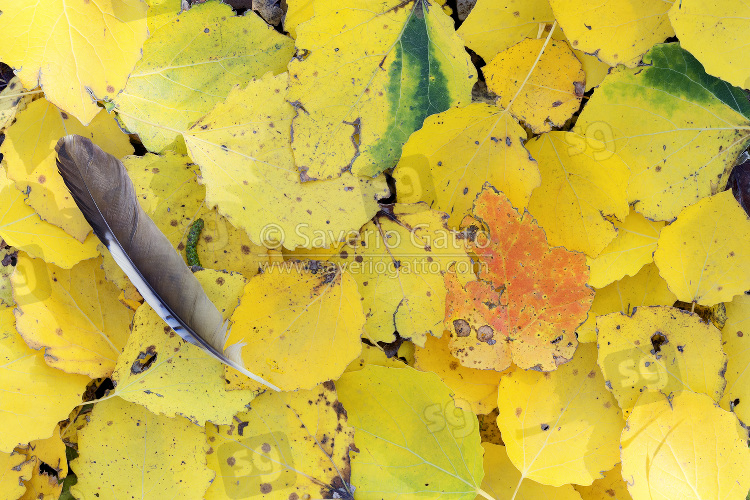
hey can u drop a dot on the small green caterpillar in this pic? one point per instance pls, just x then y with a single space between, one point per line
191 251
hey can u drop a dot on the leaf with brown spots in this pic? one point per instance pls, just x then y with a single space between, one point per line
291 445
540 290
560 427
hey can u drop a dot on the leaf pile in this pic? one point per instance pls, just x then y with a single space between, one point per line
514 271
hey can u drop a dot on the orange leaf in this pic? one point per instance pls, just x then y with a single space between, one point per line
531 296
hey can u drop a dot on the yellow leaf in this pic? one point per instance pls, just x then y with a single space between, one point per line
77 51
50 453
659 349
242 147
171 377
14 470
547 425
493 26
291 445
594 69
646 288
705 25
579 187
704 255
398 262
373 355
539 81
632 248
476 390
393 64
504 482
125 448
413 441
29 152
191 64
35 396
448 161
298 11
21 227
12 100
684 447
161 13
610 487
74 314
168 190
301 324
8 257
678 129
735 337
617 31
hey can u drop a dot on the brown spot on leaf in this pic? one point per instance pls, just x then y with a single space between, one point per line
110 89
230 461
265 488
462 327
219 281
42 179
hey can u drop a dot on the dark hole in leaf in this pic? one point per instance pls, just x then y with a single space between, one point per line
657 340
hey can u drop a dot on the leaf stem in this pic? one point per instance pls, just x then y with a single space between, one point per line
533 66
484 494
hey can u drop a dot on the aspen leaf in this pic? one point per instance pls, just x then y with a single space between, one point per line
394 65
632 248
539 81
703 255
735 337
610 487
705 24
298 11
659 349
580 186
493 27
29 152
21 227
447 162
161 13
373 355
561 427
126 448
543 291
412 439
50 467
616 31
297 444
73 314
474 314
398 261
14 470
646 288
35 396
76 51
504 482
242 147
684 447
181 379
12 100
293 317
677 128
476 390
168 190
191 64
